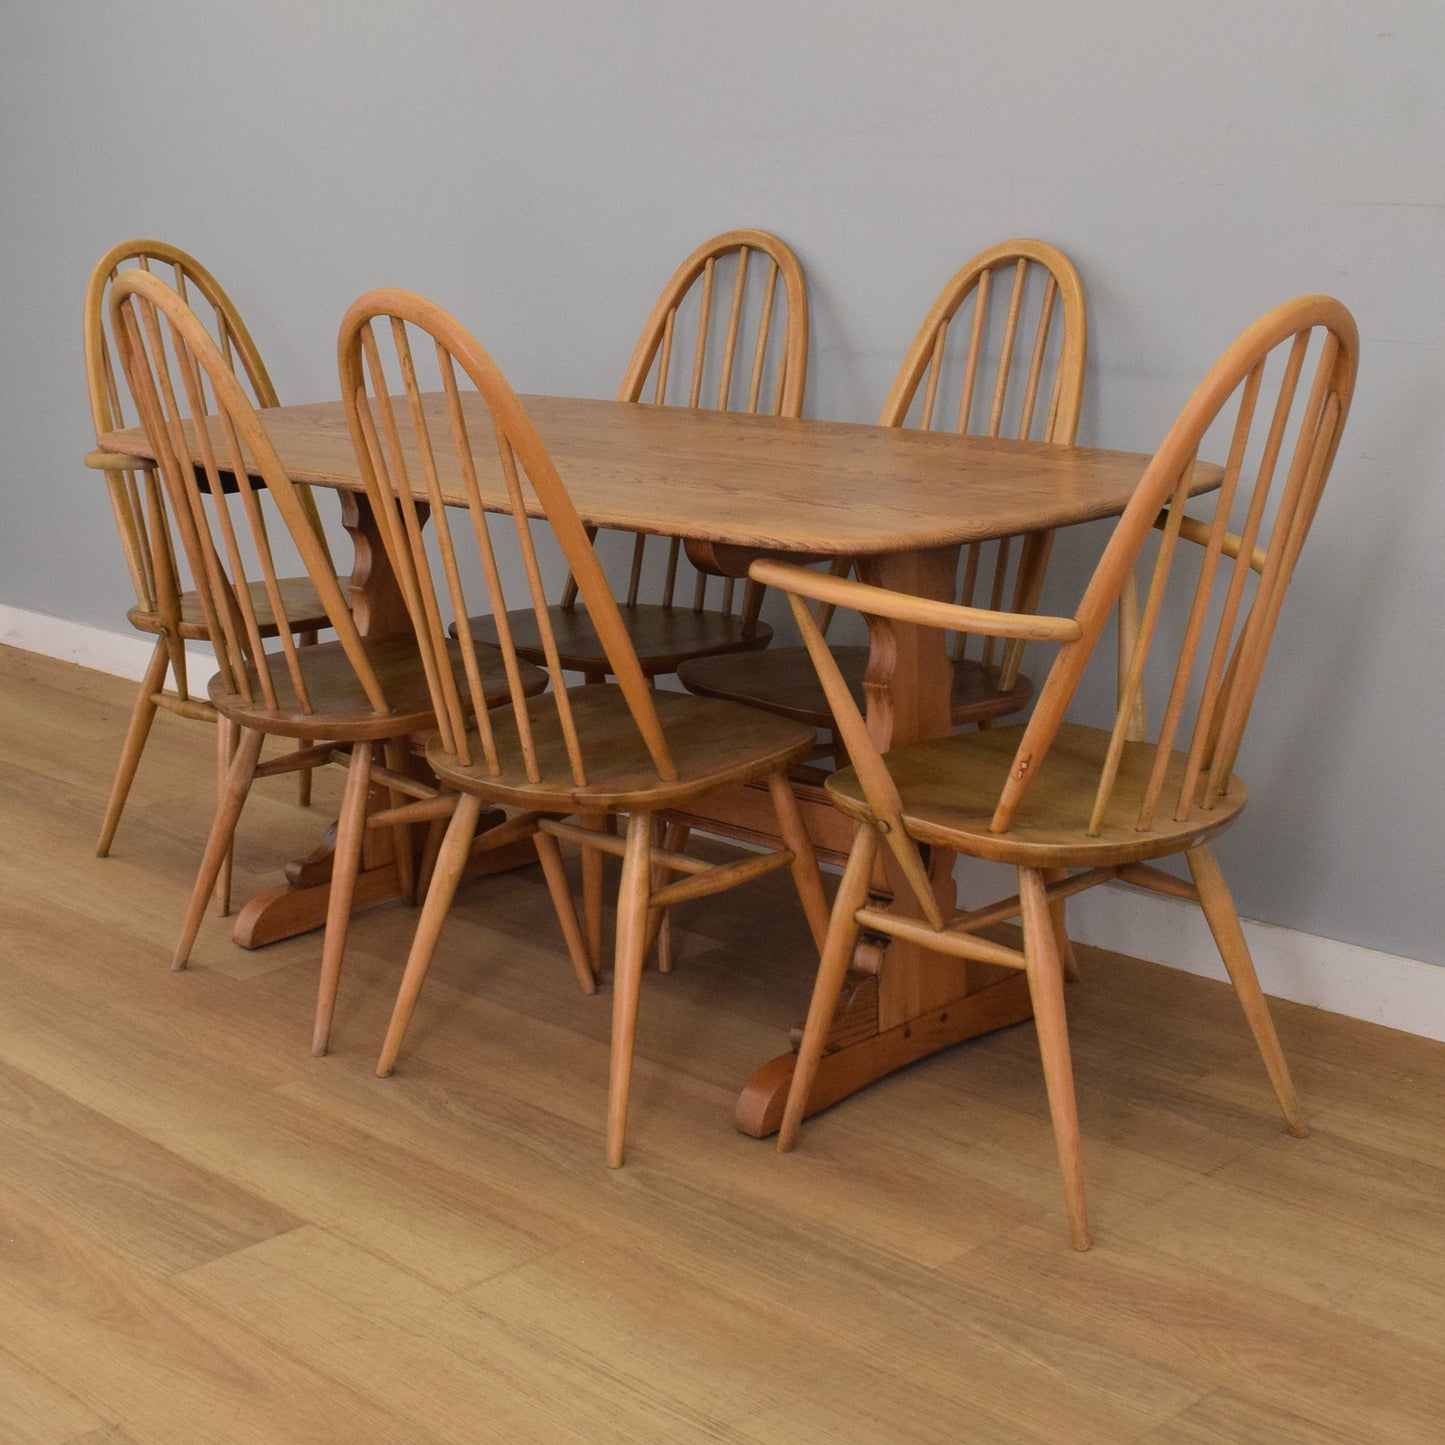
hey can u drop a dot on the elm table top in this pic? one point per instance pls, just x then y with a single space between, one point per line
824 487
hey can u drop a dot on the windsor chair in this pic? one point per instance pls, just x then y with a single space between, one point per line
163 609
721 370
590 751
365 693
1072 806
1020 306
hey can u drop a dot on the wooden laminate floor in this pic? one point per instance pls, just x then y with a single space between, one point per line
208 1235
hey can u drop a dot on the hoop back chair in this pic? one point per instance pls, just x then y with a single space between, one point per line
360 691
1071 806
163 609
592 750
725 334
1007 337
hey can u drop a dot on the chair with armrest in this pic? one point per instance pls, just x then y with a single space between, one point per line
344 700
1071 806
729 334
163 609
1007 335
589 751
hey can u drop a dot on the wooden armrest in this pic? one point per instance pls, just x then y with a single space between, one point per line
879 602
1193 530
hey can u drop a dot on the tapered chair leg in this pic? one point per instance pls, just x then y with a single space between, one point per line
397 755
631 948
436 831
350 830
1223 919
806 877
592 883
451 861
837 954
659 921
227 738
1046 990
1061 932
303 775
549 854
218 844
142 715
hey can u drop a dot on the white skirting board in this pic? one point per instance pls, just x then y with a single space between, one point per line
1344 978
121 654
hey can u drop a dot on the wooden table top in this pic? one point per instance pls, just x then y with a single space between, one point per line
831 488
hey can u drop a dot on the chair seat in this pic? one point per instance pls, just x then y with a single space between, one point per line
784 681
712 743
303 608
950 786
340 709
663 637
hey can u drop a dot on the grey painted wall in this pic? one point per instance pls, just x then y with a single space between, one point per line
540 168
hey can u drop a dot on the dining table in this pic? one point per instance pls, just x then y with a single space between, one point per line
899 503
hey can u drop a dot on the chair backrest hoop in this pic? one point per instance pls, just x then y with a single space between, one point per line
1235 668
1064 294
1038 370
203 446
398 459
135 494
653 356
792 370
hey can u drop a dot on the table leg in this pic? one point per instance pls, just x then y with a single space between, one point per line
900 1001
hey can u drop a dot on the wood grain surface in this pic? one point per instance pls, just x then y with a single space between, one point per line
833 488
208 1235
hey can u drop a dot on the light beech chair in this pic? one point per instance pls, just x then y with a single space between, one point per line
729 332
1071 806
1007 336
590 751
362 693
164 610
